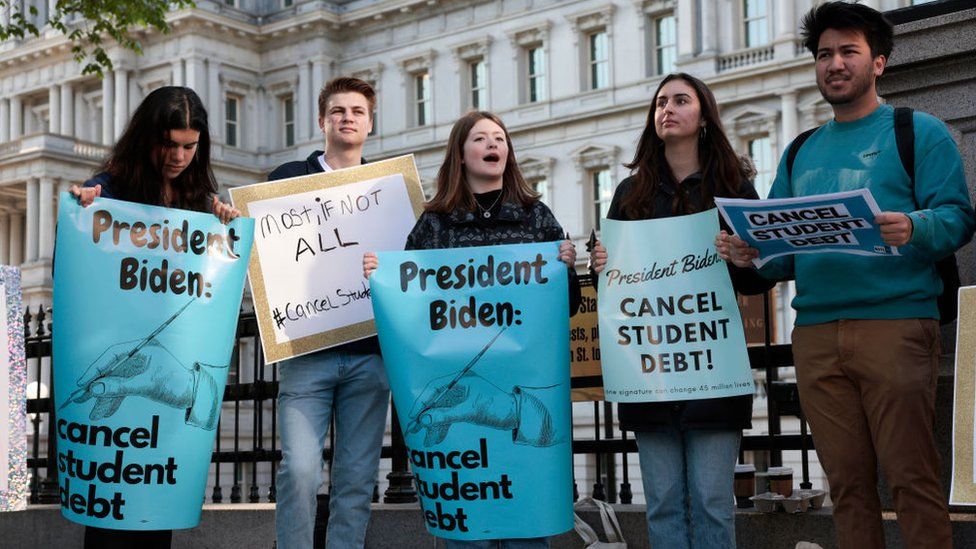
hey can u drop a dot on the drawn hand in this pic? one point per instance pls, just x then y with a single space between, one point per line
598 257
370 264
473 399
733 249
152 373
85 195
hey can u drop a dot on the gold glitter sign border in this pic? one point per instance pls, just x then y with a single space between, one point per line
243 196
14 498
963 489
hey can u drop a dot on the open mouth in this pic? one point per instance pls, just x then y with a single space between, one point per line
491 157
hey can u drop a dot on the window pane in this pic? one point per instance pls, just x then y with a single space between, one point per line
478 84
762 156
542 187
422 85
288 108
602 195
599 60
537 72
755 15
665 44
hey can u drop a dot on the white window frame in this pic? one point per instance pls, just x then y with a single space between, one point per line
763 20
414 68
524 41
597 67
585 25
765 171
467 58
286 123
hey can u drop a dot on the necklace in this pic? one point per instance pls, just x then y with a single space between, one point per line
487 212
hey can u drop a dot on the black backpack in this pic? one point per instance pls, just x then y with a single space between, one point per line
905 140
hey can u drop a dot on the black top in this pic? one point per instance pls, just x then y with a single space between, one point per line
710 413
310 165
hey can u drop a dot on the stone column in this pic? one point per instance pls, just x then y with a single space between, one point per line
196 79
54 109
67 110
790 127
121 101
4 118
4 240
214 104
108 109
318 80
178 72
304 113
33 213
16 118
686 29
786 23
45 226
15 246
709 27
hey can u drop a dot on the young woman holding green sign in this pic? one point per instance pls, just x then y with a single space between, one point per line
483 200
688 449
162 159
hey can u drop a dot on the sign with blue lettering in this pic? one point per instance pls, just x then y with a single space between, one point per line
147 300
837 222
669 321
476 347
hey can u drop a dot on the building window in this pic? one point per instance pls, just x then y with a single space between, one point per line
665 44
754 20
421 86
232 108
761 152
541 186
599 59
231 3
602 194
536 64
288 120
479 84
287 3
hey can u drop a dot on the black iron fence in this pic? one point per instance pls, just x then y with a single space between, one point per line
250 407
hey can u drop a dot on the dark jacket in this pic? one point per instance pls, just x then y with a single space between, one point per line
310 165
105 180
514 224
710 413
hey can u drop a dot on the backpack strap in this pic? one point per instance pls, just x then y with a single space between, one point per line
794 149
905 139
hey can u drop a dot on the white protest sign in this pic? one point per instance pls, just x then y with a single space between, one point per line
310 236
837 222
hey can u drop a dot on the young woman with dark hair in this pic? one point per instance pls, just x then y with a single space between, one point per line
688 449
483 200
162 159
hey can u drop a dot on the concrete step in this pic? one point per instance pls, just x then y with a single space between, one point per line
247 526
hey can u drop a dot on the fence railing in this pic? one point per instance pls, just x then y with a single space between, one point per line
250 406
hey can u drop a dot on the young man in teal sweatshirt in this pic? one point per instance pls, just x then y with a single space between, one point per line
866 341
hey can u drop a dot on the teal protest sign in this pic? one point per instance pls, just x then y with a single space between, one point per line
476 347
146 302
669 320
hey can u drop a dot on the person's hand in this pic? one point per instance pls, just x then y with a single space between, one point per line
567 253
896 228
598 257
224 212
85 195
733 249
370 263
152 373
472 399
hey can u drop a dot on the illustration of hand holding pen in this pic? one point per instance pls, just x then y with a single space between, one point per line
146 368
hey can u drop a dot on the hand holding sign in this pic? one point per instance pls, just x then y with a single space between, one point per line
733 249
896 228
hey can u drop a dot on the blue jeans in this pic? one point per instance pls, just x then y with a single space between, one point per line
687 478
310 386
524 543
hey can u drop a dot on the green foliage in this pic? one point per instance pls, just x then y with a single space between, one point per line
88 24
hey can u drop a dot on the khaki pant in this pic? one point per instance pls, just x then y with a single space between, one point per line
867 388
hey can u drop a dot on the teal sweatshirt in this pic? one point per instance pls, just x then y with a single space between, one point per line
845 156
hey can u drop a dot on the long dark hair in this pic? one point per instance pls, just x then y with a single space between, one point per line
452 182
136 177
722 170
